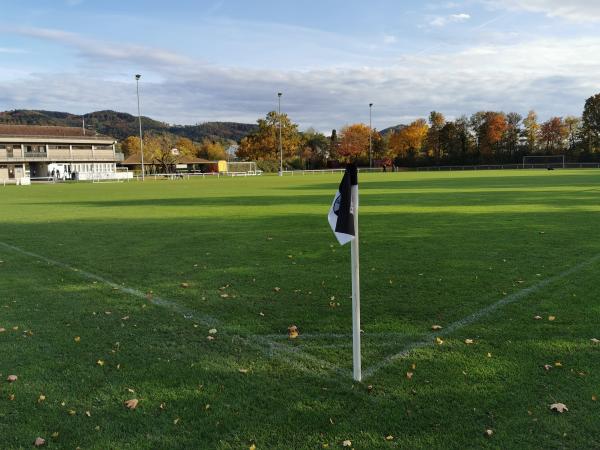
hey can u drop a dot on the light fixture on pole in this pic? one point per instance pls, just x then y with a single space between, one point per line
280 146
370 137
137 86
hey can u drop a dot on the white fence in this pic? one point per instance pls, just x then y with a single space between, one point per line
509 166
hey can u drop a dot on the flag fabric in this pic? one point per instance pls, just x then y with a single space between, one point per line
341 213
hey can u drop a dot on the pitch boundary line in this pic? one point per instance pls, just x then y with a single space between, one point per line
267 346
429 338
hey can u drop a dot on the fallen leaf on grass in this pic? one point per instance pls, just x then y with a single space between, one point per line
409 375
559 407
276 289
210 338
89 414
12 378
547 367
489 355
252 447
41 398
594 398
595 341
551 318
468 341
131 404
439 341
185 285
293 332
558 364
71 412
347 443
436 327
54 435
39 442
176 421
243 370
77 339
2 330
537 317
100 362
224 295
212 331
389 437
488 433
11 397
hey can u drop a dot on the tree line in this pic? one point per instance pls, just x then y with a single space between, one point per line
486 137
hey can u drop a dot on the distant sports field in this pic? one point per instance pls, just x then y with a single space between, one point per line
179 294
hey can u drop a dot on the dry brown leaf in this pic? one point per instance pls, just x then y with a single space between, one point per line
468 341
71 412
185 285
276 289
39 442
489 355
210 338
2 330
176 421
436 327
54 435
595 341
558 364
559 407
11 397
243 370
389 437
77 339
100 362
41 398
347 443
439 341
537 317
12 378
252 447
224 295
409 375
293 332
547 367
551 318
89 414
594 398
488 433
413 366
212 331
131 404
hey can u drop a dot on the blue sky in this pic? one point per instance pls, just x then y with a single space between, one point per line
226 60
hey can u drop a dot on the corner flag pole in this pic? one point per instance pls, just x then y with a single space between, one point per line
343 220
356 364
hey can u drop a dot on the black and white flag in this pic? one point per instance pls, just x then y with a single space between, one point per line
345 206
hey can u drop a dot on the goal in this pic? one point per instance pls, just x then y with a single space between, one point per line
242 168
543 161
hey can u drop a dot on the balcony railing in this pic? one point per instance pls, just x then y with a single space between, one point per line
35 155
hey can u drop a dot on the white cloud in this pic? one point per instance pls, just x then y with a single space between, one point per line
572 10
440 21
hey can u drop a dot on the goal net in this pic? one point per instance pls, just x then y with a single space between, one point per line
543 161
242 167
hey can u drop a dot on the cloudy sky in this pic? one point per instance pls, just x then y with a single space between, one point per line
226 60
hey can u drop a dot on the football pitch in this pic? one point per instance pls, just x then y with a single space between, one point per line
480 309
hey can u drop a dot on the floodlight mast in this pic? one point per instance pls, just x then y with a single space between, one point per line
370 137
279 94
137 86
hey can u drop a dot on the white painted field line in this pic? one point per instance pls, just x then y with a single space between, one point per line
267 346
429 339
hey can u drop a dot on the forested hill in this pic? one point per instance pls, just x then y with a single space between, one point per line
120 125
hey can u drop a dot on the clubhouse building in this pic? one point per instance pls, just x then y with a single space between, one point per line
48 152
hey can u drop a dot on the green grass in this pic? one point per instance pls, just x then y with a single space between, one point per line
435 248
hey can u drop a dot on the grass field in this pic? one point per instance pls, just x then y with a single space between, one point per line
95 313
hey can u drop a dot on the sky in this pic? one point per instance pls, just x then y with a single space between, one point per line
226 60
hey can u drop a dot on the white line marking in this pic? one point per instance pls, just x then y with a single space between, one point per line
269 347
429 339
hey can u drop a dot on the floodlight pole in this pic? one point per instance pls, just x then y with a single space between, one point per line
280 146
370 140
137 86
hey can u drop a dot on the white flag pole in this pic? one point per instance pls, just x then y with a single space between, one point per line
357 373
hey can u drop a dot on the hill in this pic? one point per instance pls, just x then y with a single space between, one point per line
390 130
120 125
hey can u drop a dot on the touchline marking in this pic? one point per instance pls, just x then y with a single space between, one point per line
269 347
429 338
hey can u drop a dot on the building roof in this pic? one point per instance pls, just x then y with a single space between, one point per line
136 159
43 131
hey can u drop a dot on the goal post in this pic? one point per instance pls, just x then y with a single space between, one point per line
543 161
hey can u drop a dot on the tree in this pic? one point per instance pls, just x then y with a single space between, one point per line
161 151
211 150
553 134
531 131
315 148
491 128
407 142
185 145
573 125
436 123
130 146
513 132
591 123
354 143
263 144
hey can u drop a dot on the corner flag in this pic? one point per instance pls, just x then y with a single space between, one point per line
345 207
343 220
